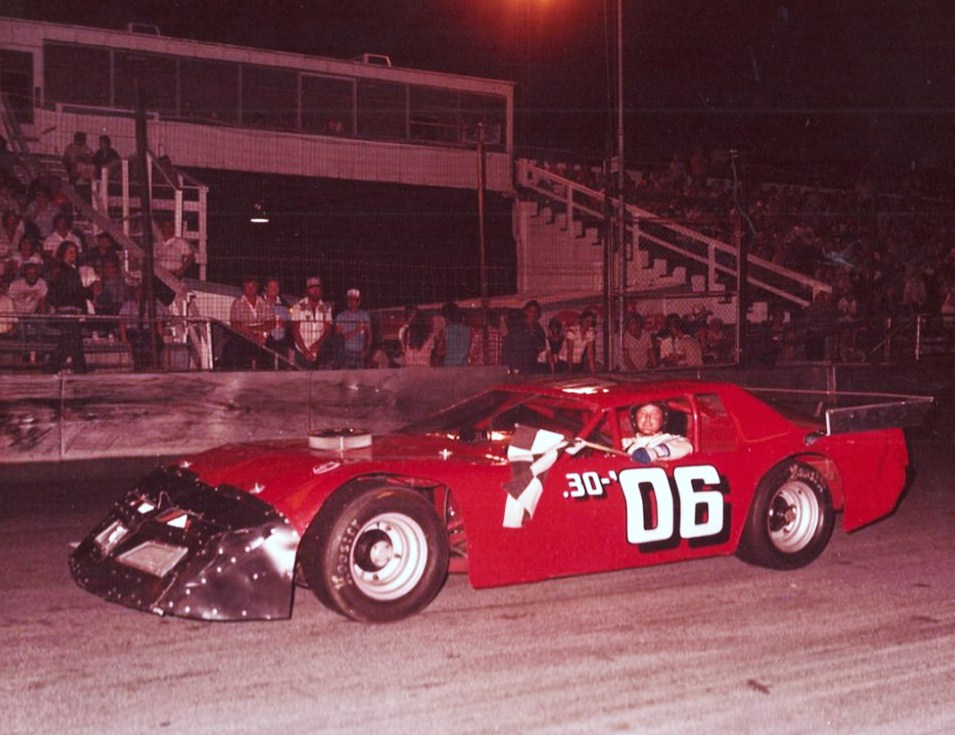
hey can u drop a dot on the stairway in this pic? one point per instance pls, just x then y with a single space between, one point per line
559 247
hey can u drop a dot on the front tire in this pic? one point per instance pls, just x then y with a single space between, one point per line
790 520
376 556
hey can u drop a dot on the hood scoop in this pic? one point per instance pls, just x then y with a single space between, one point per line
339 440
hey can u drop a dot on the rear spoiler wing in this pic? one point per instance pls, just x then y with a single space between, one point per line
847 412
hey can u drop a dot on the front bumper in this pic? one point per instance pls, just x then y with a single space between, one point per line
176 546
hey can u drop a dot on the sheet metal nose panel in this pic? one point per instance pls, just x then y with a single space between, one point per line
175 546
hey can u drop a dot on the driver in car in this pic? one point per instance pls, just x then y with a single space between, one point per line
651 443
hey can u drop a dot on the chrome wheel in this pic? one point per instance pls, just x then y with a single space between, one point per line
794 514
389 556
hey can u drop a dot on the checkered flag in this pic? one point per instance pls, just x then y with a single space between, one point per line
532 452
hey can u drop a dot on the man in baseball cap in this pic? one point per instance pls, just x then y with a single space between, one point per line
354 329
312 326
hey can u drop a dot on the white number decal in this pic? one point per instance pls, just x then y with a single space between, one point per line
592 483
661 498
577 486
658 525
690 500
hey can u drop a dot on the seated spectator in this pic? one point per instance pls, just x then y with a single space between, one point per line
26 253
62 232
40 212
171 251
8 317
8 199
29 291
109 291
11 230
104 248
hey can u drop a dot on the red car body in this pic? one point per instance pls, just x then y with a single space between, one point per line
597 510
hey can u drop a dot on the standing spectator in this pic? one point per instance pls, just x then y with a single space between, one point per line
249 317
678 348
312 327
637 351
279 339
172 252
7 161
716 341
454 339
532 312
519 351
68 297
555 345
579 344
135 331
105 155
492 324
353 326
78 160
410 313
418 345
62 232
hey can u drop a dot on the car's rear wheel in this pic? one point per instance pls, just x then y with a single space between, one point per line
790 520
376 556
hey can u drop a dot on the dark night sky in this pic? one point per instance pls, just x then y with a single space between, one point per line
840 85
860 80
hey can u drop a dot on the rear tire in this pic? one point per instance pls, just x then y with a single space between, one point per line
376 556
790 520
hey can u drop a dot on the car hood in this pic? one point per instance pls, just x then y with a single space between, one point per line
288 474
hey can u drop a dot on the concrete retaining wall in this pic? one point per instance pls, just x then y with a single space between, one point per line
52 418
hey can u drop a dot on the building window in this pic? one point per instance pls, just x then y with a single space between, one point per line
382 110
434 115
154 75
327 105
209 90
269 97
16 82
76 74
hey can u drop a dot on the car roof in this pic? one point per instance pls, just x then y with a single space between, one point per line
610 390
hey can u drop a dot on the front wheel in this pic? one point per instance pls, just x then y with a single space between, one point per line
790 520
377 556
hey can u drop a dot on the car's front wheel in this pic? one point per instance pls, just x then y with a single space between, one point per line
790 520
377 556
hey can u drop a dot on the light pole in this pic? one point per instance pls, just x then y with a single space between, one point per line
615 268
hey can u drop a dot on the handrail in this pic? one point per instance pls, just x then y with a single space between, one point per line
716 255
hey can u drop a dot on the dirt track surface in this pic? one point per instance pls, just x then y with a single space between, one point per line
861 641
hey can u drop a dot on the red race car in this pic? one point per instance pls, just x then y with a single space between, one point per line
521 483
